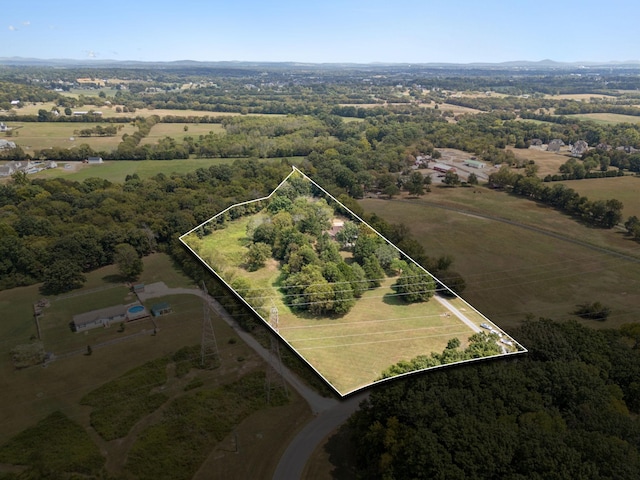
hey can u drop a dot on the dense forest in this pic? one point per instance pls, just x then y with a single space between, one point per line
567 410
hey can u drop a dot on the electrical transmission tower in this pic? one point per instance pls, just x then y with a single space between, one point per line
209 356
274 376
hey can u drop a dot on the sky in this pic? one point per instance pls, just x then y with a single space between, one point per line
328 31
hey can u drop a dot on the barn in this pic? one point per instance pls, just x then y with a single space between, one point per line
443 168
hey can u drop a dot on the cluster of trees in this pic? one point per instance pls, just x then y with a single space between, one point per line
99 131
569 409
599 213
480 345
51 226
573 169
316 277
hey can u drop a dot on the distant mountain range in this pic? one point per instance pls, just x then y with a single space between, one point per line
523 64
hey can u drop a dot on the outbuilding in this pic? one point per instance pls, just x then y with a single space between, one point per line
475 164
443 168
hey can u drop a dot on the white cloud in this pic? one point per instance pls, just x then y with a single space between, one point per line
26 23
91 53
12 28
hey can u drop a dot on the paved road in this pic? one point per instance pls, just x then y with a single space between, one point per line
294 459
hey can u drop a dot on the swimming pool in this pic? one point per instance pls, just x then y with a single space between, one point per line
136 309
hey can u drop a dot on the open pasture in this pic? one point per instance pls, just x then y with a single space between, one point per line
624 189
513 271
581 96
607 118
117 170
41 135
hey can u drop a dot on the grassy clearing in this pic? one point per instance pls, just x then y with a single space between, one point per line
580 96
117 171
40 135
341 349
548 162
624 189
177 132
607 118
512 272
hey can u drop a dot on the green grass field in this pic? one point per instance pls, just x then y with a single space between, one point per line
607 118
351 351
624 189
512 272
117 171
40 135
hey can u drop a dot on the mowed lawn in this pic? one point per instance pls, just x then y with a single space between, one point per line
512 272
40 135
351 351
624 189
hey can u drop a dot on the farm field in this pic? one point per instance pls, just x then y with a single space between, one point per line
607 118
624 189
116 171
110 111
351 350
177 132
511 271
40 135
580 96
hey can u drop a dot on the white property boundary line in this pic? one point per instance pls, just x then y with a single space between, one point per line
456 312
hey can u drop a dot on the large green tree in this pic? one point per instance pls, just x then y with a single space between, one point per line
62 276
415 285
128 261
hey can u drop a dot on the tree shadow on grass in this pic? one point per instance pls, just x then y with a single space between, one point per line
341 453
392 299
114 279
